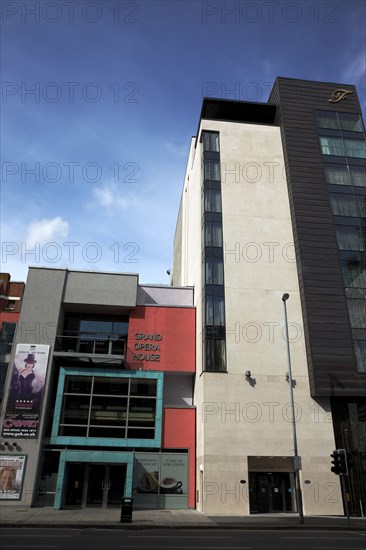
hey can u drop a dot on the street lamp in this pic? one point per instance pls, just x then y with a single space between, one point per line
297 459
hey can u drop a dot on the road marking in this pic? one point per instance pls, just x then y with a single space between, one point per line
38 536
174 537
322 538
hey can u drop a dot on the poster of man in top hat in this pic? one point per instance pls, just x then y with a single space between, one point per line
25 394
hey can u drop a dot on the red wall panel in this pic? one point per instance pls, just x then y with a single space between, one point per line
179 432
162 338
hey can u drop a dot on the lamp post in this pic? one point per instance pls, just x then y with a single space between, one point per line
297 459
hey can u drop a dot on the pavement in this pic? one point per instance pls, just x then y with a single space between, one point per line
18 516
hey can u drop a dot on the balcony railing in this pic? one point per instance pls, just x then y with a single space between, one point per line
90 346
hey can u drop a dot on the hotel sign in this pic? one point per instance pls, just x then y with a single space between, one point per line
339 94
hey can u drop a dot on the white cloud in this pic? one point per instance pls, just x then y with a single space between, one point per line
114 197
180 151
47 230
355 72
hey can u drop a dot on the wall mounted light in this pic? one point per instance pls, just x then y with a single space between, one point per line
248 375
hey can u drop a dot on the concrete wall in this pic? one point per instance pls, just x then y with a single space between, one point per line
103 289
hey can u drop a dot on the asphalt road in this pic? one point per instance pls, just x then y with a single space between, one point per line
98 539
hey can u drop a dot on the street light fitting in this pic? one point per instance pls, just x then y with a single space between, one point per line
285 297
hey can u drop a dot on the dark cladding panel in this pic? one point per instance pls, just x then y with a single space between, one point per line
329 344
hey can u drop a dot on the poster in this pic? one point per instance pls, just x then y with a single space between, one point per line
146 474
174 474
12 469
166 473
25 396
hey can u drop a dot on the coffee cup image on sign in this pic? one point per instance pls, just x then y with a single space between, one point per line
171 485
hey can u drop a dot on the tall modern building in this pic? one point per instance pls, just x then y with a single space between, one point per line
273 202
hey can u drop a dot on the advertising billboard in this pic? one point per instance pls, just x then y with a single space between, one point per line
25 395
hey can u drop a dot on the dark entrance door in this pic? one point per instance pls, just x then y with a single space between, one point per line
98 485
271 492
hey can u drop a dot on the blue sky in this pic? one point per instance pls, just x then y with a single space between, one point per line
93 159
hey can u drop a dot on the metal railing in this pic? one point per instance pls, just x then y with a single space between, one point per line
90 346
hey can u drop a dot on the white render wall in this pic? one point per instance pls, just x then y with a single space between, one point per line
235 419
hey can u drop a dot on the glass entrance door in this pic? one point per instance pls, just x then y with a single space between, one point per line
98 485
271 492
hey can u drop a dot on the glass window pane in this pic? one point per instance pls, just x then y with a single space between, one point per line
358 176
107 386
332 146
354 273
216 200
350 238
355 148
207 200
75 409
357 312
108 411
141 433
110 432
144 387
211 141
216 234
209 311
337 175
209 272
344 205
350 122
220 355
78 384
360 351
219 311
212 170
141 412
73 431
325 119
218 271
209 354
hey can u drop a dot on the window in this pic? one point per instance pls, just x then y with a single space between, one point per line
357 312
339 121
96 406
212 200
348 205
350 122
354 273
211 170
338 174
350 238
215 355
355 148
211 141
332 146
360 351
327 119
213 234
214 271
215 311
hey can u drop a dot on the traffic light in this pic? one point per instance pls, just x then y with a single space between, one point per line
340 462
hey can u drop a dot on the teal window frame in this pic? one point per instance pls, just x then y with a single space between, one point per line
107 441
